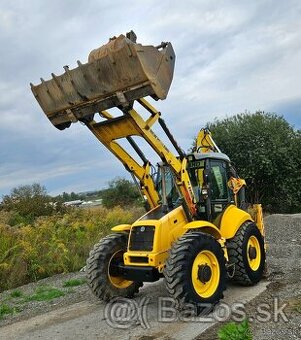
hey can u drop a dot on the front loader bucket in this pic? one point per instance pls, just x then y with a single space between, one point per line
116 74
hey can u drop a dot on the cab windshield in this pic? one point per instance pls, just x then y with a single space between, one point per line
166 187
196 173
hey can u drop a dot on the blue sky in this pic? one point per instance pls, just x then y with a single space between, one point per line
232 56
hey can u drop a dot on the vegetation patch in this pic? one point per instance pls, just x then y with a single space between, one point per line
74 282
295 304
298 308
5 309
265 148
54 244
235 331
16 293
44 293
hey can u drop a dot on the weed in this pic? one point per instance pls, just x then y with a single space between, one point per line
44 293
74 282
298 309
53 244
297 306
5 309
16 293
235 331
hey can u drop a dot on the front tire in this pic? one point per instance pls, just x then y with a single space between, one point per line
246 252
100 278
195 271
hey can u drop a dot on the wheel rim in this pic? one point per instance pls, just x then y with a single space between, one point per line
205 274
117 281
253 253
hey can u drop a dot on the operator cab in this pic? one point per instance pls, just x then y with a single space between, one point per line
209 175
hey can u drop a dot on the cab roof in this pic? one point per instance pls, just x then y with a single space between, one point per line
212 155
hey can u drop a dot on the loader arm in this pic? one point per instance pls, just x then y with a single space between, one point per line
118 74
130 124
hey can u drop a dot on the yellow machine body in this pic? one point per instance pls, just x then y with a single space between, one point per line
173 225
121 74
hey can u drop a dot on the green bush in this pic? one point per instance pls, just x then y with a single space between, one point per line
27 202
121 192
266 151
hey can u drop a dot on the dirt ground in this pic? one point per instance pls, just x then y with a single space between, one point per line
275 314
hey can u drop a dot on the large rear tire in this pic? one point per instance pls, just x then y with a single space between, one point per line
247 254
103 283
195 271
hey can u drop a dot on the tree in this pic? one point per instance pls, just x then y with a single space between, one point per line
266 152
120 192
28 202
65 197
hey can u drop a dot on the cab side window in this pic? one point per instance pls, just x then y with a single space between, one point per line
172 194
218 181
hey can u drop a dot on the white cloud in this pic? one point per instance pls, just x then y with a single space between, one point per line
231 56
6 19
12 175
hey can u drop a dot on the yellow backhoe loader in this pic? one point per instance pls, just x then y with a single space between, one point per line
199 230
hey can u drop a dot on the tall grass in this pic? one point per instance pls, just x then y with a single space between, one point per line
54 244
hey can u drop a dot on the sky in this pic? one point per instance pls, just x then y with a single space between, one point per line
231 57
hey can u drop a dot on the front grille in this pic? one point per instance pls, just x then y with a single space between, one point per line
142 238
138 259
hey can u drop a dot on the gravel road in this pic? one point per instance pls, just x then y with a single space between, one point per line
79 314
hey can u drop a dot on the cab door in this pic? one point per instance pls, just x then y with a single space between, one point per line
220 194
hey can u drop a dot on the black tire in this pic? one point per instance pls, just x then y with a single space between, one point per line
98 268
179 269
242 273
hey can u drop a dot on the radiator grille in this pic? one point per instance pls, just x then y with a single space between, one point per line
142 238
139 259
